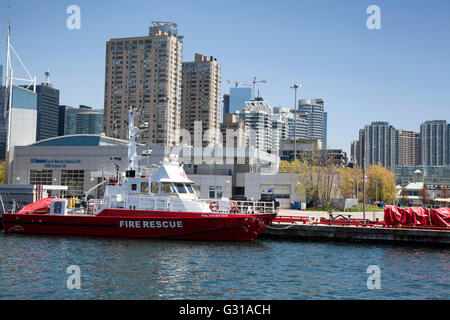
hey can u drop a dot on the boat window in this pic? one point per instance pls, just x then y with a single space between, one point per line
134 187
166 187
189 187
155 187
180 188
144 187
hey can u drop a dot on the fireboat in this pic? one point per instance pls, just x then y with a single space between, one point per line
163 205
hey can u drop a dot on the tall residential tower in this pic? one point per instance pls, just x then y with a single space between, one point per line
145 72
201 98
434 143
316 118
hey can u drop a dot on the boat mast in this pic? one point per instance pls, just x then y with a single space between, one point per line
132 132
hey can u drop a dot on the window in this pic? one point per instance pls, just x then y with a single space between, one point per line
166 187
155 187
180 188
281 191
41 177
215 192
189 188
134 187
144 187
74 179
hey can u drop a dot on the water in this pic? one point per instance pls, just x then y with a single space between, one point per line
35 267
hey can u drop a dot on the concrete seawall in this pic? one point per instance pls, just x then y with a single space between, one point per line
356 234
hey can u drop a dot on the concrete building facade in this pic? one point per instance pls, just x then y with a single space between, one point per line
23 117
201 98
146 73
316 118
408 148
434 143
234 132
257 117
378 145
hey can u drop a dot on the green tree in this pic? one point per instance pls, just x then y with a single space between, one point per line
380 184
316 177
3 172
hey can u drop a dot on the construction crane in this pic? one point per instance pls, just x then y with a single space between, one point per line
247 84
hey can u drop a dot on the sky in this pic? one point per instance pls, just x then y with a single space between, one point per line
399 73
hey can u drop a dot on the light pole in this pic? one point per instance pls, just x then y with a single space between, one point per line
364 190
376 191
295 87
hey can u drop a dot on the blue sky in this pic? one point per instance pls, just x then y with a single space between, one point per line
399 74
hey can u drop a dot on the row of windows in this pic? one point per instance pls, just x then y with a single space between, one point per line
164 187
74 179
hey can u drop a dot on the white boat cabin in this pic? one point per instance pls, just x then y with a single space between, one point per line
168 189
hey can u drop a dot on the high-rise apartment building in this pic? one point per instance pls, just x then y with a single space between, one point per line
354 152
280 131
47 111
82 120
316 118
380 145
234 132
145 72
257 117
201 98
380 142
434 143
226 106
293 120
408 148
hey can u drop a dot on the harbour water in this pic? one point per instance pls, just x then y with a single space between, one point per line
35 267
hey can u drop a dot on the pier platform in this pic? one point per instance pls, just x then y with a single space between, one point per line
319 232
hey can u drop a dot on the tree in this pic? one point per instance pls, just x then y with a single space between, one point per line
445 193
289 167
3 172
316 177
423 194
348 182
404 194
380 184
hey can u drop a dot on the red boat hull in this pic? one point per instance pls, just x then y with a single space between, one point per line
143 224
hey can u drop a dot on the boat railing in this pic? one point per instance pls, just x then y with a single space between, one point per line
194 205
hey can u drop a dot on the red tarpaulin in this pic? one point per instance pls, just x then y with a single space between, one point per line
417 215
440 217
40 206
394 215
